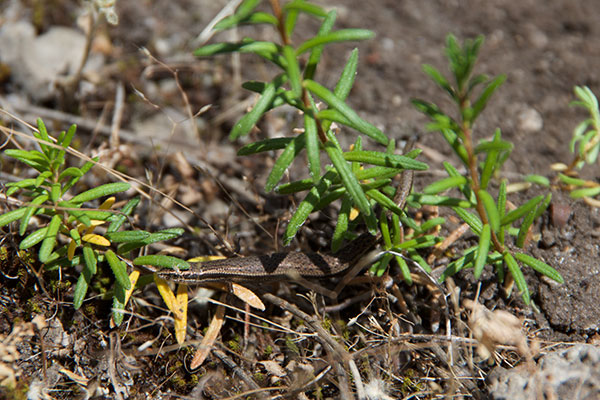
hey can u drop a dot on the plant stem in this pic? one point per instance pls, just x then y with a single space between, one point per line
468 142
281 23
308 106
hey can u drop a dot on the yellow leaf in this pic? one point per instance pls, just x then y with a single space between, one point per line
353 214
167 294
205 258
133 277
94 223
95 239
107 203
71 250
181 323
241 292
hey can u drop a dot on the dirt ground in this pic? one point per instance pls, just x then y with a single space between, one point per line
544 47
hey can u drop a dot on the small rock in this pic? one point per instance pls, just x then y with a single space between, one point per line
560 214
176 218
536 37
216 210
168 123
573 373
37 63
387 44
530 121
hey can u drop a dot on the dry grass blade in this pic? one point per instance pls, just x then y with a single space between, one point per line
440 248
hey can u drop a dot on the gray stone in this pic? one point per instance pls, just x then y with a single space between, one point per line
572 373
37 63
530 121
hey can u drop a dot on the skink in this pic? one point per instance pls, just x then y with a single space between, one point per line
275 266
281 266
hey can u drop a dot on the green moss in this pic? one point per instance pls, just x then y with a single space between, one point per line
175 366
291 345
343 327
28 257
268 351
234 344
39 14
17 393
326 323
33 306
409 385
122 168
194 379
90 309
178 381
260 377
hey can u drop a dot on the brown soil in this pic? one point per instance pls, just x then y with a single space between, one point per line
544 48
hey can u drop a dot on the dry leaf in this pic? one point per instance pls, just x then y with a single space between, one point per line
79 379
493 328
517 187
210 337
9 354
247 296
175 251
273 368
592 202
183 166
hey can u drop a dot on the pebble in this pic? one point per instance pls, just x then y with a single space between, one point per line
176 218
537 38
561 374
560 214
38 62
530 121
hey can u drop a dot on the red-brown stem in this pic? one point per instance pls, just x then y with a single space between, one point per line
281 23
308 106
286 41
468 142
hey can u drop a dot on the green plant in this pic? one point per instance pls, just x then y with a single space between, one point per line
587 133
362 189
358 188
69 237
586 146
362 180
491 223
